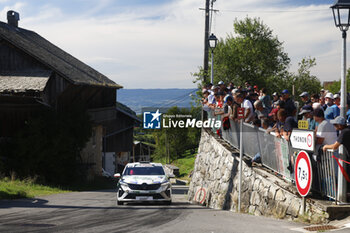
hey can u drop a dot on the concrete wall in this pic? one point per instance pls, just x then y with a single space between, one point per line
215 183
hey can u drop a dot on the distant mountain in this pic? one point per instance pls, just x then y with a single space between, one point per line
136 99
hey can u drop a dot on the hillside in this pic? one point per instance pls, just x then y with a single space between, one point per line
136 99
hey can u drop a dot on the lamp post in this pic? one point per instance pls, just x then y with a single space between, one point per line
213 41
341 14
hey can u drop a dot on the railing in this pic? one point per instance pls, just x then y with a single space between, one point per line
278 155
327 174
274 152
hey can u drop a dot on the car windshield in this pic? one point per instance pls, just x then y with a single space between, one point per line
144 171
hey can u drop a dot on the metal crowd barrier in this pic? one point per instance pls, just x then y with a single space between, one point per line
274 152
327 174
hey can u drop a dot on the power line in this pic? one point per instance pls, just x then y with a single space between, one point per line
273 11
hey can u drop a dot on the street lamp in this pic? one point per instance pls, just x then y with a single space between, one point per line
341 14
213 41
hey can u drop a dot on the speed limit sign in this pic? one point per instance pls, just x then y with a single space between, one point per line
303 173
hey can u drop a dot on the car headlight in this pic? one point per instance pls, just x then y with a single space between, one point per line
123 185
165 185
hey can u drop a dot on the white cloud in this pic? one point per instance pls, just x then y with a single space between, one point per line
160 46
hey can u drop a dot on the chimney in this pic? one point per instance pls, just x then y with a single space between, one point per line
12 18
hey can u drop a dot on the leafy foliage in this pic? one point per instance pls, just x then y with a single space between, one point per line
176 139
303 80
335 87
253 55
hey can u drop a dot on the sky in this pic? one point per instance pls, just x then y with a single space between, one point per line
160 43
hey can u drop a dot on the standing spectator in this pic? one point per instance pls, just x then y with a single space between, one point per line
325 133
261 114
322 101
222 86
247 85
322 93
230 109
211 97
315 98
337 100
307 113
275 98
256 90
332 110
265 99
305 98
249 111
285 124
344 136
288 103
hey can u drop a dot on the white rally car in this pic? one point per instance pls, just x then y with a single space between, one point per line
143 181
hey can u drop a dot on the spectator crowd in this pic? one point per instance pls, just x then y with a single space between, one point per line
280 113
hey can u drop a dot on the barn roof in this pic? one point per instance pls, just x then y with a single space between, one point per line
53 57
34 81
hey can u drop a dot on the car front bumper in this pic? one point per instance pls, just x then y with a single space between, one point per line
126 194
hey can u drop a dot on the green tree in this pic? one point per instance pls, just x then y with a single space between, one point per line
176 140
303 80
335 87
253 55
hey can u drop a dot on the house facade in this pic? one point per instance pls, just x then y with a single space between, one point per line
36 75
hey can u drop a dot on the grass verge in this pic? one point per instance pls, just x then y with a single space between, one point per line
14 189
185 164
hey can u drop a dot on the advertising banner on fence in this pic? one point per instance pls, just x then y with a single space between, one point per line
303 139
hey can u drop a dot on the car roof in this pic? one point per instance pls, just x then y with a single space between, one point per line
144 164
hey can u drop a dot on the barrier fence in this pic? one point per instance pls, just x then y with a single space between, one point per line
278 155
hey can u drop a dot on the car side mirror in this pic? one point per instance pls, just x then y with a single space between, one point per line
117 175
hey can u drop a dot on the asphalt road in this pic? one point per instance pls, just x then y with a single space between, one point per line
98 212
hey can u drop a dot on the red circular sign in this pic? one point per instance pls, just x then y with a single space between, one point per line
303 173
309 140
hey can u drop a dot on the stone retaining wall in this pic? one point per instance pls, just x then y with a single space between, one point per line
215 183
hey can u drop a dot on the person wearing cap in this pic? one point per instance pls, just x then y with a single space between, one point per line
221 85
256 89
205 103
307 113
325 133
305 98
344 136
211 97
288 103
337 100
332 110
275 98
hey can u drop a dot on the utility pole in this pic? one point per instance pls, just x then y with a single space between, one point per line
206 44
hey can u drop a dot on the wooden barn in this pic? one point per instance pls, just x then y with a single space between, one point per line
35 74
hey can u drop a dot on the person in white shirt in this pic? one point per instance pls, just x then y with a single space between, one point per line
325 133
249 111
